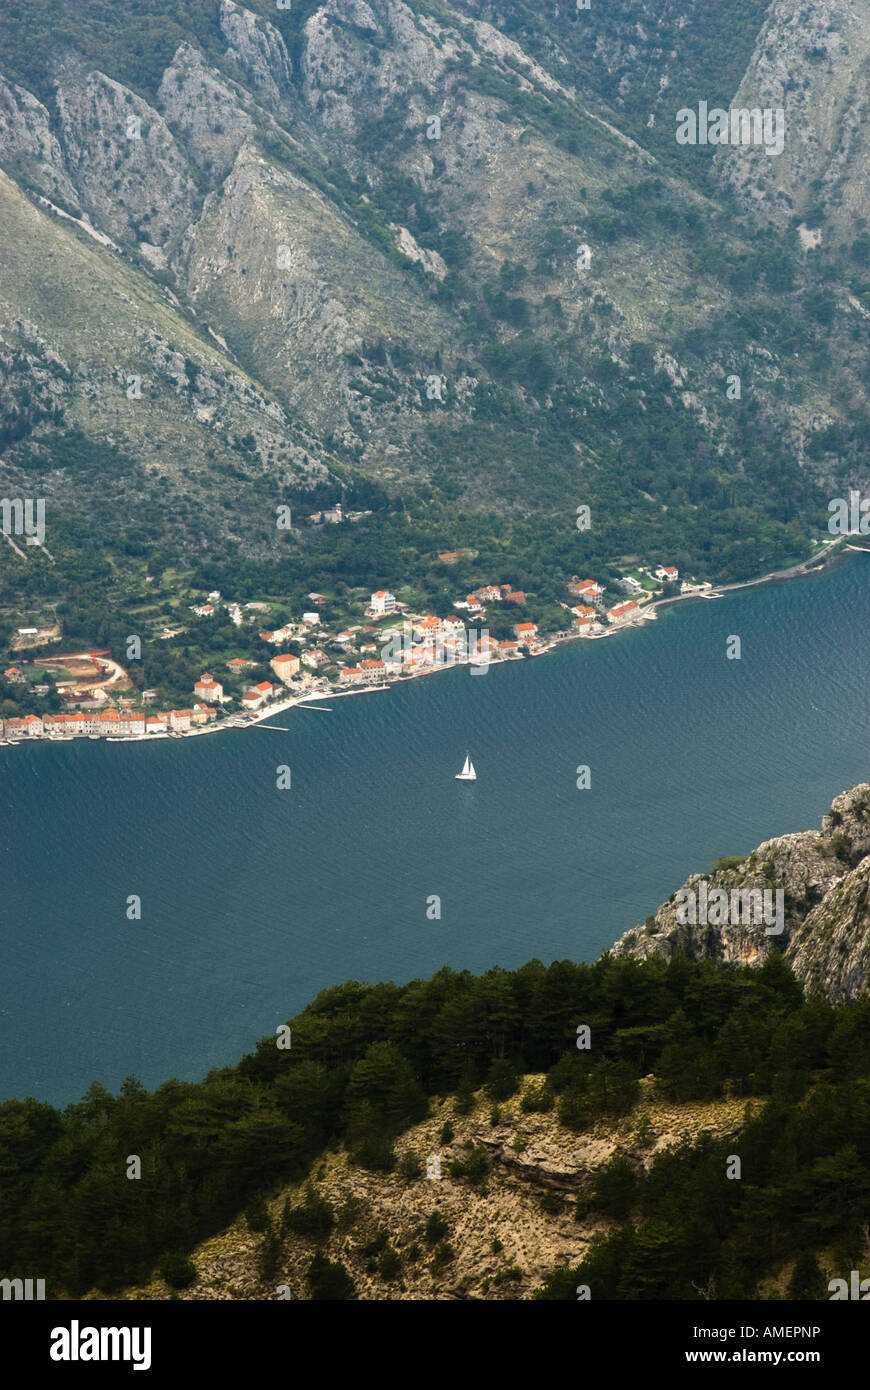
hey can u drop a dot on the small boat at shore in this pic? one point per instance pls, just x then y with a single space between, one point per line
468 773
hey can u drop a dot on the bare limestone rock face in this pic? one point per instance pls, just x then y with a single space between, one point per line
831 950
204 111
814 62
343 87
131 176
259 50
30 147
824 880
272 256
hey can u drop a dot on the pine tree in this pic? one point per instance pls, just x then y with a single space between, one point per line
808 1279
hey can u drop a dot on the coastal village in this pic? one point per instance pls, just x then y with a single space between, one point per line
99 700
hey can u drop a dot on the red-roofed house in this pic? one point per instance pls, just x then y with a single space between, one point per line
584 588
623 611
207 688
285 666
256 698
315 658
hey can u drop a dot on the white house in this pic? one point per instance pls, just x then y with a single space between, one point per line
382 602
315 658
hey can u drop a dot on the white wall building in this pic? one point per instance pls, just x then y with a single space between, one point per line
383 602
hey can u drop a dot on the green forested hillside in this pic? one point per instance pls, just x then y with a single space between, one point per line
361 1063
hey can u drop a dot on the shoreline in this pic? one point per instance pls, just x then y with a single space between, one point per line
645 614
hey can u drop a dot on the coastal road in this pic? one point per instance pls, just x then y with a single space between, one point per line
816 561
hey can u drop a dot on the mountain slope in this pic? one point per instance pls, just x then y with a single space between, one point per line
377 212
524 1201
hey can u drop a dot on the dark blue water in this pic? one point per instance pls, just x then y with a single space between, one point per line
253 899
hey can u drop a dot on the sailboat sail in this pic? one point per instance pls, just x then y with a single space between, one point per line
468 773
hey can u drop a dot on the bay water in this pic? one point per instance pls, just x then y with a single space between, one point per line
255 898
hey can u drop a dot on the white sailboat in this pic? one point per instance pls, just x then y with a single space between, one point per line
468 773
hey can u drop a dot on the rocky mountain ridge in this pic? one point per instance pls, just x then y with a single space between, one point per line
374 212
824 880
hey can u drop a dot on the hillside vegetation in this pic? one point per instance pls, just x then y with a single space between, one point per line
253 253
113 1191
